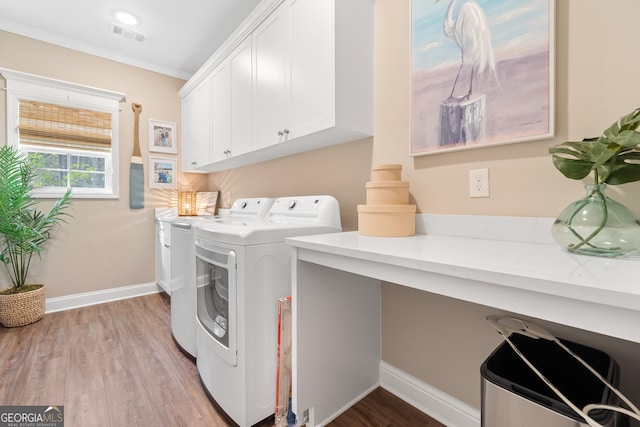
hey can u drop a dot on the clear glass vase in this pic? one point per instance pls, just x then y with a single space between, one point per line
597 225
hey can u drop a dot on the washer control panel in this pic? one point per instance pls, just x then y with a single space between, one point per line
257 207
321 209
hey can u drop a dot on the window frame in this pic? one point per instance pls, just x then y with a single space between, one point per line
76 191
26 86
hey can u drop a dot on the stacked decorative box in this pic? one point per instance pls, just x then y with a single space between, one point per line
387 212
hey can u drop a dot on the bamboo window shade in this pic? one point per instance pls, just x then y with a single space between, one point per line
49 124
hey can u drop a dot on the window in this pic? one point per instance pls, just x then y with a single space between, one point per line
68 131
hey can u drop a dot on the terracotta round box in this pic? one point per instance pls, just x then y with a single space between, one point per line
389 172
387 193
387 220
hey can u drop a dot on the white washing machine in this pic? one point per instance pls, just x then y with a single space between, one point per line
183 266
242 271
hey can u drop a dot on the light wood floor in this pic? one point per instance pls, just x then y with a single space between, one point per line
117 365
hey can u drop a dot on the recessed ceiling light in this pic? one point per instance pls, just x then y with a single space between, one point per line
126 18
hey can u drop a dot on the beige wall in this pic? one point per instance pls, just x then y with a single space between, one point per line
595 70
591 93
595 84
341 171
105 244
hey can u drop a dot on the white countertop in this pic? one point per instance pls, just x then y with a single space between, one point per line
536 279
165 214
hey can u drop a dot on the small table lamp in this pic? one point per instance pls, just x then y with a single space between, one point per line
187 203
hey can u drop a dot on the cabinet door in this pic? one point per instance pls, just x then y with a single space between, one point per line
163 245
311 102
220 113
241 69
271 59
196 132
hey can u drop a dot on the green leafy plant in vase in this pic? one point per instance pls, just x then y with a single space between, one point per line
596 224
24 229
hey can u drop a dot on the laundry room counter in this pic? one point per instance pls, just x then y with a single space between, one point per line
517 271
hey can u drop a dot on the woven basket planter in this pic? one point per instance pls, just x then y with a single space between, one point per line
23 308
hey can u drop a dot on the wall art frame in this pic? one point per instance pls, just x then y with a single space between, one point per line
162 137
162 173
482 73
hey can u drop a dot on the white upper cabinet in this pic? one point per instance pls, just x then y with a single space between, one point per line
231 104
310 83
220 112
241 68
311 100
271 57
196 127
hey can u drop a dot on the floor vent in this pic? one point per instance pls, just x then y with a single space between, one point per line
127 33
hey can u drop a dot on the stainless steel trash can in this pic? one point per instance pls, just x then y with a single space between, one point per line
514 396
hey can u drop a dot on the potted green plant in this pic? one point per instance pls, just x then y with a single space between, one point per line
596 224
24 230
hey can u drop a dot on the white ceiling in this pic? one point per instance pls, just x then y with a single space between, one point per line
180 34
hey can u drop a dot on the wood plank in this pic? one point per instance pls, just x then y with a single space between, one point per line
87 410
51 382
83 361
381 408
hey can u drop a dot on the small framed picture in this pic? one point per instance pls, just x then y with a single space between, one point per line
162 173
162 137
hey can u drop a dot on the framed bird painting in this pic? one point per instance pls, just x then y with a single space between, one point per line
482 73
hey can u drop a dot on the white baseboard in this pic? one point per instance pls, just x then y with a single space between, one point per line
446 409
97 297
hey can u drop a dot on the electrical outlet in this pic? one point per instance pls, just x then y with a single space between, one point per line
479 183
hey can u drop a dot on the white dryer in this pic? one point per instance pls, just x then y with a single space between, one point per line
183 266
242 270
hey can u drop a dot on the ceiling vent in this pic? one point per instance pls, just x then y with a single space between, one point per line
127 33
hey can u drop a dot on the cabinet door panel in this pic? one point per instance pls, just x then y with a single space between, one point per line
196 130
271 45
163 261
241 68
220 112
311 100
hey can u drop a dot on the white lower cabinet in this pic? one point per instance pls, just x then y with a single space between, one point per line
163 253
310 85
